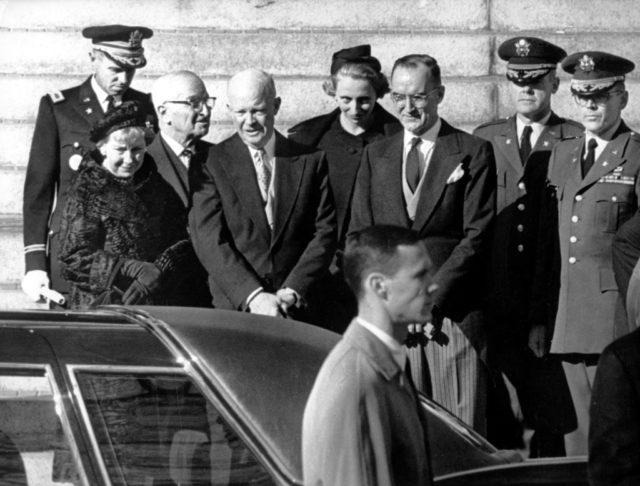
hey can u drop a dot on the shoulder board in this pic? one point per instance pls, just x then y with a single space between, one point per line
56 96
500 121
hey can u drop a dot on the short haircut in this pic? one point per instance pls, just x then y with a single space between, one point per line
356 70
166 86
412 61
374 249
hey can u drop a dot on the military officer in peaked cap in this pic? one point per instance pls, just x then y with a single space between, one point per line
522 145
596 182
61 135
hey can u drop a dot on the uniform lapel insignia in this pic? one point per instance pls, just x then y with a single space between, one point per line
86 100
545 143
508 142
605 163
88 111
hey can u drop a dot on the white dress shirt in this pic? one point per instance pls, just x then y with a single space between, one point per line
425 153
536 128
103 96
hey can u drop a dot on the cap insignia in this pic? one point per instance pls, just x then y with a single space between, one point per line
135 39
523 47
587 64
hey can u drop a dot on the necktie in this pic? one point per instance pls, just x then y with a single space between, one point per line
263 173
111 103
185 157
525 144
414 171
590 158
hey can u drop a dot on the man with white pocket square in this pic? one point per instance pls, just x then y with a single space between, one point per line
440 182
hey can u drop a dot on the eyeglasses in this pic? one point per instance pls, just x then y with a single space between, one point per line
599 99
417 100
196 103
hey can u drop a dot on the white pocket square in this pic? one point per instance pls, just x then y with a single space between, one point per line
456 175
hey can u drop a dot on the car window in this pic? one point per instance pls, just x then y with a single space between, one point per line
159 429
34 449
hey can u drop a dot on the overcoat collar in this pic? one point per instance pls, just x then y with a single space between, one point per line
378 354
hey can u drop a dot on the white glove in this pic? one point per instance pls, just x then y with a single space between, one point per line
32 283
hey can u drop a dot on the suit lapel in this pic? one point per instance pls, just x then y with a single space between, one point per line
165 161
443 162
87 104
239 167
390 170
507 143
289 172
610 158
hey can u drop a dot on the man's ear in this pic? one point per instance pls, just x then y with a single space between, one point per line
276 104
377 282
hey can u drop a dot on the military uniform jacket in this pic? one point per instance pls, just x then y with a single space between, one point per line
62 131
590 210
514 240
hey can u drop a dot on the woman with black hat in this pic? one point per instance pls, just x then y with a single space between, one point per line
356 83
123 235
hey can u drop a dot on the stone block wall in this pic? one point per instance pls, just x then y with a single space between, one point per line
41 49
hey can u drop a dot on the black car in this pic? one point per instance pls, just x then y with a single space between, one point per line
176 396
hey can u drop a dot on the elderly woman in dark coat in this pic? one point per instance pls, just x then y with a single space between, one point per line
124 235
356 83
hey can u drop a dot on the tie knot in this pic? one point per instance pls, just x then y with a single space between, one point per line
592 144
415 141
526 132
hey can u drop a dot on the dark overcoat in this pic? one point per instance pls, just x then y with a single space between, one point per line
62 131
108 220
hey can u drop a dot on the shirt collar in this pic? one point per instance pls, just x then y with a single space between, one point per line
269 148
397 353
602 141
176 147
429 136
535 126
101 94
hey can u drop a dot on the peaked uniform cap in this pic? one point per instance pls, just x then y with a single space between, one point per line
595 71
121 43
529 58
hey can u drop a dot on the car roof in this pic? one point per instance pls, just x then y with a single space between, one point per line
262 367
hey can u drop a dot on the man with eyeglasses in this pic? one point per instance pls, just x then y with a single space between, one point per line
596 186
263 219
440 182
183 107
61 136
522 145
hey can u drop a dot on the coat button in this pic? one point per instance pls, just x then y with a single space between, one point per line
521 186
76 145
573 239
614 198
520 207
579 197
572 260
51 233
520 228
574 219
520 248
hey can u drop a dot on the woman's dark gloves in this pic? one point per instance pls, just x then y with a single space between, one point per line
147 279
